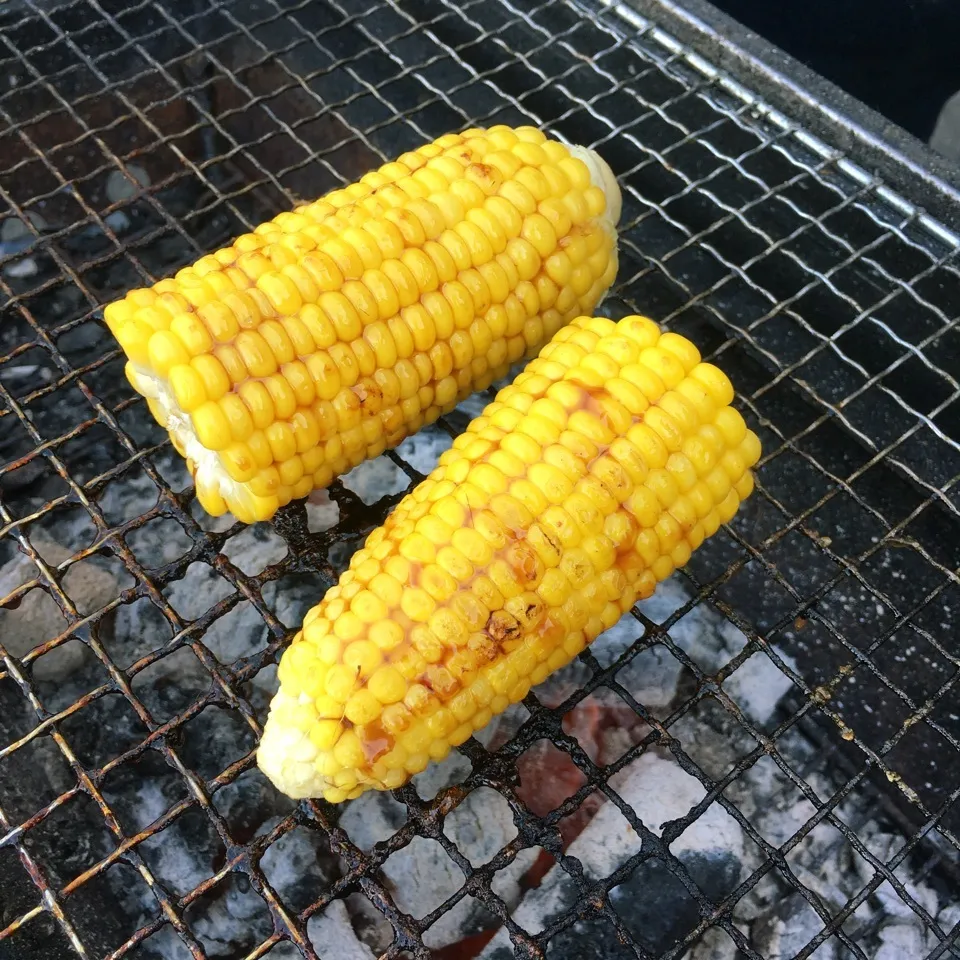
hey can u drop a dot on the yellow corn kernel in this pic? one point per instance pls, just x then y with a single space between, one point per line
730 424
165 351
282 292
559 507
291 471
300 381
237 416
282 395
212 427
283 443
277 341
323 270
238 462
191 333
188 387
419 285
134 337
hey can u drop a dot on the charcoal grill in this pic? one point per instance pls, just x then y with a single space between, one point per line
802 247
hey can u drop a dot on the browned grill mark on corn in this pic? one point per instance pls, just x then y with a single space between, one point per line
588 480
333 332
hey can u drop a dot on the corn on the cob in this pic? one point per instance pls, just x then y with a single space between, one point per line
335 331
588 480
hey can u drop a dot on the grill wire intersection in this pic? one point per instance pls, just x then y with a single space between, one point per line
134 138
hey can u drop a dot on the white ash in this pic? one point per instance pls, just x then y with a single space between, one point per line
322 512
658 791
421 876
332 930
375 479
758 686
22 269
901 941
774 919
298 865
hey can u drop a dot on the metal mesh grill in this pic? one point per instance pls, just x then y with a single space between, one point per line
136 137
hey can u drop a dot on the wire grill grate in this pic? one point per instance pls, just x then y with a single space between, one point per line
135 138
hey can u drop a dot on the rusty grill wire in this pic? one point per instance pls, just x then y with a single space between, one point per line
829 300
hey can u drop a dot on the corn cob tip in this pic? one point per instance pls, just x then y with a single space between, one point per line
217 491
602 176
589 479
285 753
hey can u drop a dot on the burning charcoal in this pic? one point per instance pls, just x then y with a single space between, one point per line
231 920
376 815
711 641
292 596
421 876
657 908
423 449
591 939
181 856
704 635
651 675
322 512
715 944
948 917
254 549
16 235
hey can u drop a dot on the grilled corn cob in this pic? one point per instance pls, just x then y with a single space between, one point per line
588 480
333 332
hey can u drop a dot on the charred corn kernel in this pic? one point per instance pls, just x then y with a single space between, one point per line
564 503
416 286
